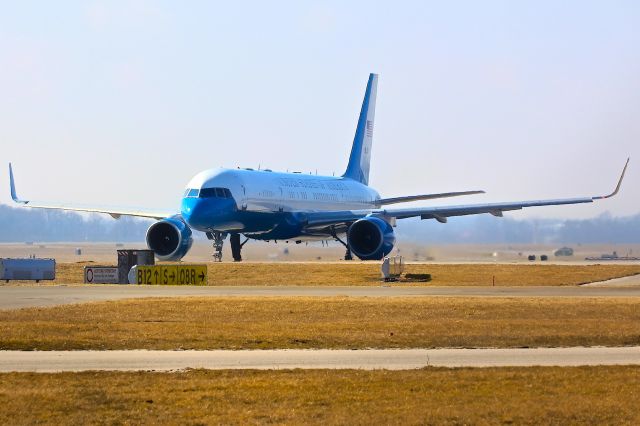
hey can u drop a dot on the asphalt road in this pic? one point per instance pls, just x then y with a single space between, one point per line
14 297
391 359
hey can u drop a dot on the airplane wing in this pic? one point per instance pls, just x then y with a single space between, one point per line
409 198
318 220
114 212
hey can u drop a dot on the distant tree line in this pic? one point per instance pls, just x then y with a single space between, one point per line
23 224
489 229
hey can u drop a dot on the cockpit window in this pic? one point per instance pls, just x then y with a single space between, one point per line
191 192
215 192
207 192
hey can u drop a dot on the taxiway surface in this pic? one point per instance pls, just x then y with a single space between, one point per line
392 359
15 297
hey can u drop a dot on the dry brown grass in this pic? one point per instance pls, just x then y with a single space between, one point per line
332 322
534 395
368 273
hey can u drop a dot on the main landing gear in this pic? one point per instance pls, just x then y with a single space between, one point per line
236 246
218 242
347 255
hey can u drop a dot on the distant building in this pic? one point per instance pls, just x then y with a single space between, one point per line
564 251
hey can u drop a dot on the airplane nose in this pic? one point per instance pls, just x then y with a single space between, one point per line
203 213
192 210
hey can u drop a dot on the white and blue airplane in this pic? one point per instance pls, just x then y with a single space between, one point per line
271 206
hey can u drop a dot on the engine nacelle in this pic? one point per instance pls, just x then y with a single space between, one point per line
170 239
371 238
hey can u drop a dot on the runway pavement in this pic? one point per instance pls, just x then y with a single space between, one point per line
13 297
392 359
631 281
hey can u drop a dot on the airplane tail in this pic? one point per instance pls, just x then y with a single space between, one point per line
358 168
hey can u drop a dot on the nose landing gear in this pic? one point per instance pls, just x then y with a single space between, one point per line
218 242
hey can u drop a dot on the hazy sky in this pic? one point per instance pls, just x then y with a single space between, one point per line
121 102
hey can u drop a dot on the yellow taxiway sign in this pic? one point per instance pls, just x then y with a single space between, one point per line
171 274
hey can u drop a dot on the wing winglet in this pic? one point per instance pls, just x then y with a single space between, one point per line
615 191
12 185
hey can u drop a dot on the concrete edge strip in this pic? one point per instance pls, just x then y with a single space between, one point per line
390 359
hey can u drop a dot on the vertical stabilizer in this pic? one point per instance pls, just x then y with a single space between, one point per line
358 168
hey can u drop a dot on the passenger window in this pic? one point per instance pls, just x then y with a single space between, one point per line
227 193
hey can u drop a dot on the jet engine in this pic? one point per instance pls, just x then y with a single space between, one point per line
170 239
371 238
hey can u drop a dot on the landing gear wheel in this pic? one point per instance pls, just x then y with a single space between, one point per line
347 255
236 247
218 242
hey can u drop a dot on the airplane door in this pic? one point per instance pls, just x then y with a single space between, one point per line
280 202
243 199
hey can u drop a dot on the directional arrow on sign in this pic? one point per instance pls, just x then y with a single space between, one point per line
173 276
201 276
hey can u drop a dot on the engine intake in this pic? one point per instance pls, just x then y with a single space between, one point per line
170 239
371 238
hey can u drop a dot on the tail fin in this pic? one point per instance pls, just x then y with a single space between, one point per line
358 168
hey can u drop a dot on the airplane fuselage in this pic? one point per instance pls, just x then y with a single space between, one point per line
268 205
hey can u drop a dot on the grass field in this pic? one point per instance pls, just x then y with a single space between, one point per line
332 322
368 273
533 395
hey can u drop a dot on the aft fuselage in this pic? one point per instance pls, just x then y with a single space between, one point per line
268 205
